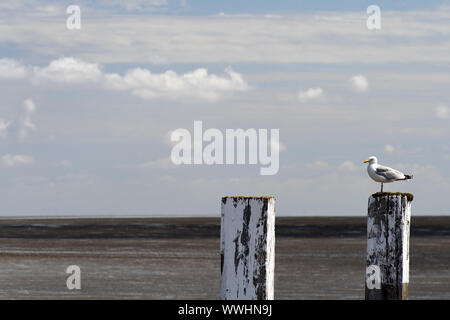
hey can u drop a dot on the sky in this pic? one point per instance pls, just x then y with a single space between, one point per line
86 114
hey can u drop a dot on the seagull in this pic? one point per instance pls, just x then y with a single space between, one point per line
384 174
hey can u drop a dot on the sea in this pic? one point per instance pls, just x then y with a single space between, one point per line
179 258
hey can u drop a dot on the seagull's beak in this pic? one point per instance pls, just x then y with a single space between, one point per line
365 161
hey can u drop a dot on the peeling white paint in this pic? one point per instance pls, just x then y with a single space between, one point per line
248 248
405 234
388 226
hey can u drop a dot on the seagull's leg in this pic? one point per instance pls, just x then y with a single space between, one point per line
382 187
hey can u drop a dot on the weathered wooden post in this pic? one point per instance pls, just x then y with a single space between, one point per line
247 247
387 262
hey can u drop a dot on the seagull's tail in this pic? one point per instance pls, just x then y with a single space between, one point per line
408 177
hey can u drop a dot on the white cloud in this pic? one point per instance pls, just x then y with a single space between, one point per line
277 145
35 7
359 83
198 84
442 111
349 166
426 174
65 164
25 124
134 5
156 59
389 148
10 160
12 69
3 128
29 106
319 164
310 94
170 85
68 70
164 163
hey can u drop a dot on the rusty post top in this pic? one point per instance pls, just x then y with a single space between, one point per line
249 197
224 199
409 196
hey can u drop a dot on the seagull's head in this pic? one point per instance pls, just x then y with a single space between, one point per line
371 160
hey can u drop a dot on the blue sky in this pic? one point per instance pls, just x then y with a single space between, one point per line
85 115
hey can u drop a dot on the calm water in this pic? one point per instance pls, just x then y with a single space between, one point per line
316 258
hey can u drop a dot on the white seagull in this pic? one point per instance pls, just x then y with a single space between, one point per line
384 174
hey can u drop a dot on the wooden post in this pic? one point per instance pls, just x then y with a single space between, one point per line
387 262
247 248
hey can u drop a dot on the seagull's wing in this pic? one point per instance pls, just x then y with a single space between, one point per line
389 173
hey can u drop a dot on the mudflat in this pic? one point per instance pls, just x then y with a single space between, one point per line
178 258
